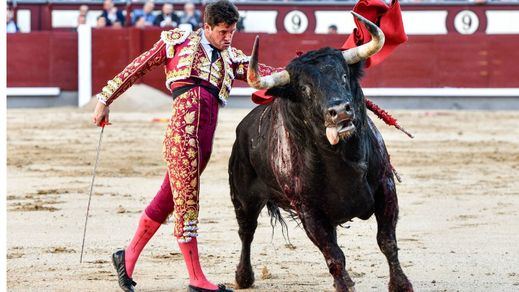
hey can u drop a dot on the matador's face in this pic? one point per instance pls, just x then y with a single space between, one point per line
220 36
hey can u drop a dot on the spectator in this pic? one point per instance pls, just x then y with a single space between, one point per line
11 26
140 22
240 26
332 29
83 10
167 17
146 12
81 19
117 24
191 16
111 13
101 21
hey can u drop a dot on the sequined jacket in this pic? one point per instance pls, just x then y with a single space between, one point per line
183 57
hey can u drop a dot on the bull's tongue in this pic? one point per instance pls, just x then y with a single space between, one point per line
333 135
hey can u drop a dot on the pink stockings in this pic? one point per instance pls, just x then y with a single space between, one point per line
156 213
196 275
144 233
151 218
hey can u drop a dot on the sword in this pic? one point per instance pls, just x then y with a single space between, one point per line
103 124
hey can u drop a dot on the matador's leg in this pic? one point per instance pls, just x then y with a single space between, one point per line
156 213
187 148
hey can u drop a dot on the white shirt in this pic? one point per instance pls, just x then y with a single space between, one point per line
206 45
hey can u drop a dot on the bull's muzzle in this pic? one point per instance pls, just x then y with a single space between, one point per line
339 122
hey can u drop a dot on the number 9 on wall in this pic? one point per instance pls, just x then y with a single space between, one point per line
466 22
295 22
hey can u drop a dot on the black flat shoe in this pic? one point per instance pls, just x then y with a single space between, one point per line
221 288
126 283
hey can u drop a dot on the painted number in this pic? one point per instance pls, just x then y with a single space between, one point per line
466 22
296 22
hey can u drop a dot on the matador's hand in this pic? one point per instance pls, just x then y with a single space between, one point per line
101 113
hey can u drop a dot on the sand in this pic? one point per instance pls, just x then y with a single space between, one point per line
138 98
458 228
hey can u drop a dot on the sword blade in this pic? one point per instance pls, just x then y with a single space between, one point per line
90 194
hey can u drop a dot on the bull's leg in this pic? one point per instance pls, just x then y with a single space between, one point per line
247 216
386 212
324 236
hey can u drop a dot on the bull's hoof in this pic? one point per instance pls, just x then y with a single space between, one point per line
244 277
345 289
402 286
349 286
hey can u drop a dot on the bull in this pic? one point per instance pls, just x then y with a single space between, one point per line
315 153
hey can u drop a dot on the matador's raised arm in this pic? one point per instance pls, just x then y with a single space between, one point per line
136 69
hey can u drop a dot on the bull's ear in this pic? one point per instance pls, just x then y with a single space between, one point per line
280 91
356 71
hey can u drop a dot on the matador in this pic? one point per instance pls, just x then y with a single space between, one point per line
200 67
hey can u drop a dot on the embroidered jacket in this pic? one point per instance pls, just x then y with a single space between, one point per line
183 57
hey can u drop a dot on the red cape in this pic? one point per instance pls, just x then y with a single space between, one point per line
387 18
261 97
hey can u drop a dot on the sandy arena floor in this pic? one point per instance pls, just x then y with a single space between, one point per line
458 228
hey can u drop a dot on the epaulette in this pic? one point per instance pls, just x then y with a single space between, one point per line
173 37
237 56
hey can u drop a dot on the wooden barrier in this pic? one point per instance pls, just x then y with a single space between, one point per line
42 59
49 59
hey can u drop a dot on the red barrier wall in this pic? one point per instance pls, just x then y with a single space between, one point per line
478 60
45 58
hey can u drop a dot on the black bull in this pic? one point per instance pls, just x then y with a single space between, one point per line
315 152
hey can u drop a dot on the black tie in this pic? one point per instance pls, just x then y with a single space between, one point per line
214 54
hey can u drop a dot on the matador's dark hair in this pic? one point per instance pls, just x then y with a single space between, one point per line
221 11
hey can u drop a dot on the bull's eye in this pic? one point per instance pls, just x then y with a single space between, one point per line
307 90
344 78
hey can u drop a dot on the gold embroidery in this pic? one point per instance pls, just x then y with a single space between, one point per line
227 79
191 216
178 74
110 88
191 153
190 129
172 37
183 63
240 70
171 51
186 51
237 56
190 117
182 157
186 64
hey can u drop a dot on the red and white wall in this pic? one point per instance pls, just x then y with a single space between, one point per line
452 49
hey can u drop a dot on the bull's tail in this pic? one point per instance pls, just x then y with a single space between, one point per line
275 217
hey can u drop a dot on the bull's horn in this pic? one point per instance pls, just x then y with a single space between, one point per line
365 51
255 80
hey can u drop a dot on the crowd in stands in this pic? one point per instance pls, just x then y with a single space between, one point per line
113 17
146 16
